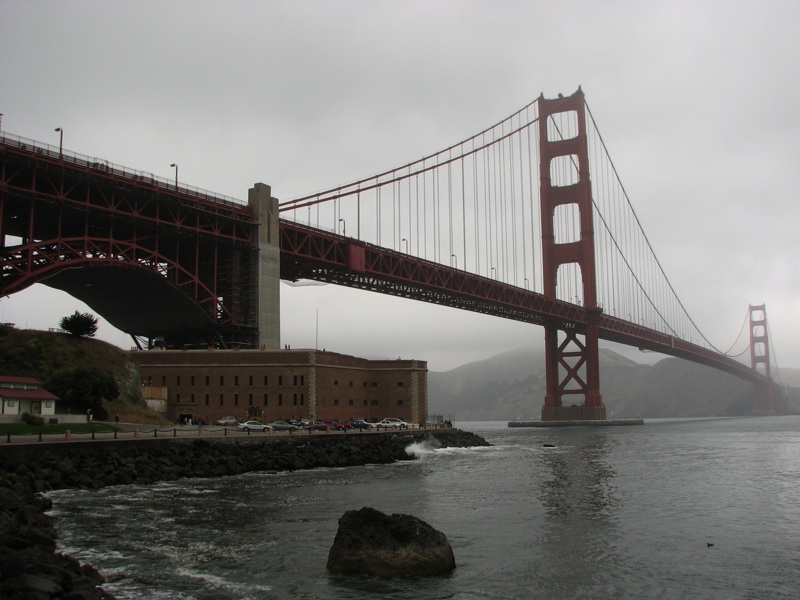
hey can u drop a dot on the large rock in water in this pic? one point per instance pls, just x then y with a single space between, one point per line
372 543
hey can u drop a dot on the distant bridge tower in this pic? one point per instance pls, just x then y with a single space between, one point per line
572 365
759 359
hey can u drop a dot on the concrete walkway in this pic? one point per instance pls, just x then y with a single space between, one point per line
139 431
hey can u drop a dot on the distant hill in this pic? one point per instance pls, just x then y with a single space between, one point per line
512 386
790 377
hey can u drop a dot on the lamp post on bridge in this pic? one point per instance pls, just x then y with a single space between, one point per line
456 257
406 243
1 122
60 142
344 227
176 174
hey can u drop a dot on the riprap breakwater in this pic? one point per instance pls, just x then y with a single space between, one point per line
31 567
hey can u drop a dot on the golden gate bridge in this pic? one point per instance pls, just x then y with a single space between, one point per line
526 220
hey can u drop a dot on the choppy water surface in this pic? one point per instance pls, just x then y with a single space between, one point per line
625 512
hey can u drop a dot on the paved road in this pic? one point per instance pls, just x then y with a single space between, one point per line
133 431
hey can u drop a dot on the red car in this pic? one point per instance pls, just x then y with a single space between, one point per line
329 425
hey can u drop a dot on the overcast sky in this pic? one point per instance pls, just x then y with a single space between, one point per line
697 103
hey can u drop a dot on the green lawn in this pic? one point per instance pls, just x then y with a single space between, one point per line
25 429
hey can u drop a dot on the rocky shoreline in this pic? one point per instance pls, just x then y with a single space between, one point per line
30 566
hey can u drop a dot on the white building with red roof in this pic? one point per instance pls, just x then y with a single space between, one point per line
24 395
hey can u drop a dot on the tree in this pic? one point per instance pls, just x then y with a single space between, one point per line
84 389
79 324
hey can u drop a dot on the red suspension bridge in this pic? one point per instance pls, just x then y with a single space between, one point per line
527 220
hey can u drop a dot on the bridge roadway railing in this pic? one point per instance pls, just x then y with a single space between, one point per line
55 154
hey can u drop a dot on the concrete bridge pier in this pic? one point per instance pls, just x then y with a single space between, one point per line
575 412
265 211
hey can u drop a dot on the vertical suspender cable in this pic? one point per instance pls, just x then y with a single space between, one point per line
523 241
498 232
463 162
487 209
475 213
450 207
533 151
513 201
378 213
410 220
418 219
503 237
394 216
425 213
437 230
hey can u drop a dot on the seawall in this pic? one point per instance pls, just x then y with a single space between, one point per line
30 566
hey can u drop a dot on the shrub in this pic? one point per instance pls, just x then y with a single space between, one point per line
32 420
84 388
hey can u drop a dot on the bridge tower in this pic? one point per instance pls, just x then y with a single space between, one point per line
268 278
759 359
572 365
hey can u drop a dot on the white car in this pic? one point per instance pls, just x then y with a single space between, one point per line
254 426
392 423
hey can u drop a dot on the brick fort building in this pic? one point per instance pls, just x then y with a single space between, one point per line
206 385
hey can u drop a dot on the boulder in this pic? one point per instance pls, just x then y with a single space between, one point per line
370 542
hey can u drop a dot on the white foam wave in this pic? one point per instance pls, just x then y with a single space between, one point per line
427 446
244 591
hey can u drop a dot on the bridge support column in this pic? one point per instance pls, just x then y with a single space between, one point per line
268 281
759 360
572 365
572 368
552 398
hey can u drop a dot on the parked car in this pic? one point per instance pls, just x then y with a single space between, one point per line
254 426
226 421
282 425
329 425
360 424
392 423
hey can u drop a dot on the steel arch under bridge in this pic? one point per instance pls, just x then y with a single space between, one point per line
155 259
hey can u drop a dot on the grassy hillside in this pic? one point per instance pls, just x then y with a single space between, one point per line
39 354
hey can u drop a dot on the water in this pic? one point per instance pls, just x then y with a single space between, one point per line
624 512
